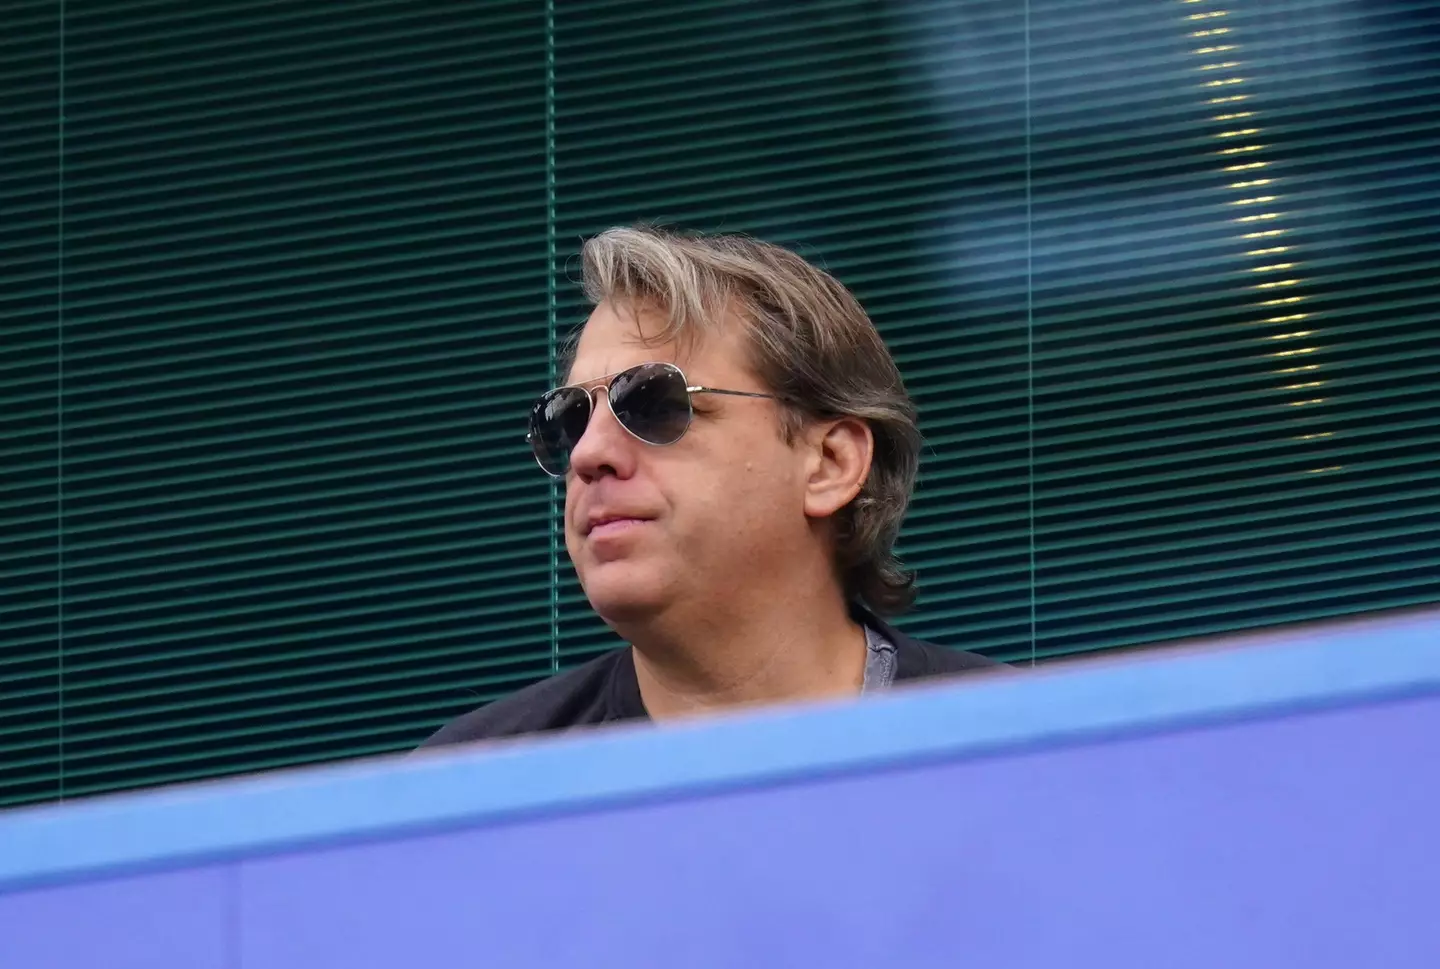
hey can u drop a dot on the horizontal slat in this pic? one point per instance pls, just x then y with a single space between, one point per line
354 623
218 111
1332 443
266 693
1195 409
436 417
356 273
96 78
28 19
312 532
110 24
196 539
210 468
1187 551
272 496
223 172
501 635
1340 498
1210 625
517 650
341 300
1318 489
431 466
1282 594
261 753
413 313
438 605
745 89
1059 486
333 237
294 586
83 368
710 207
218 163
1065 61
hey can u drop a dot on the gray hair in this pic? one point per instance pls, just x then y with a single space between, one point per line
812 345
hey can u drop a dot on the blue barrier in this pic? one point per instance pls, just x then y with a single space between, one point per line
1270 804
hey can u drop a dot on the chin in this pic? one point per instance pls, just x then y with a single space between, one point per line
620 593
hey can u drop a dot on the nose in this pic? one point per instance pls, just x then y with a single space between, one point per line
605 447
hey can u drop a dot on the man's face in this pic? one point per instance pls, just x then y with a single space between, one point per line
687 527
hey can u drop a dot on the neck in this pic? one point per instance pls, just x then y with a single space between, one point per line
789 645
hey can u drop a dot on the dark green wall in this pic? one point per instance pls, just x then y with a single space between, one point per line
277 280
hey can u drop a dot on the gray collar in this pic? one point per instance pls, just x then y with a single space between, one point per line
879 661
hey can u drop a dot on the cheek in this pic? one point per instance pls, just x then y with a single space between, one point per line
759 485
572 497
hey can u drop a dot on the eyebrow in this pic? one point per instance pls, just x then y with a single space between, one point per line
591 380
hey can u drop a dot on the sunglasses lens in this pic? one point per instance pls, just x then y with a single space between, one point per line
557 420
652 403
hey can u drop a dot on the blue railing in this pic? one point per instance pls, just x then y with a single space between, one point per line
1270 802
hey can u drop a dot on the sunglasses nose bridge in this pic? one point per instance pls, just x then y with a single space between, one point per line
593 393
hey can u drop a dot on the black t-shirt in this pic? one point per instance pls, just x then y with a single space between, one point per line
605 690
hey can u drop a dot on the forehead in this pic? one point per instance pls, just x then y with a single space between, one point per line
617 337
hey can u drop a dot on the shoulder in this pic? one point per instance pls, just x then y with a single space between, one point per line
930 659
573 698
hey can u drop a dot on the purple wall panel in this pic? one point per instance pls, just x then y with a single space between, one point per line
170 920
1305 841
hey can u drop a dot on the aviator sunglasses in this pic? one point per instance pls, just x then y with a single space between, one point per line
651 401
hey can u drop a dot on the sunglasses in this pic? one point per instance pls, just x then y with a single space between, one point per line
651 401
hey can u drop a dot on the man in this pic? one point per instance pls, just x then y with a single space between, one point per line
738 450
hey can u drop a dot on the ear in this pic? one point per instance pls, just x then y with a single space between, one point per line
838 462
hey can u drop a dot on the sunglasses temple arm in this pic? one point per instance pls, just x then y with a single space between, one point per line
729 393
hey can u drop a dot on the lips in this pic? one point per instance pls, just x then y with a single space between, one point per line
609 524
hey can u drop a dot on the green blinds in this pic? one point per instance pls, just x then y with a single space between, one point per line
270 503
277 280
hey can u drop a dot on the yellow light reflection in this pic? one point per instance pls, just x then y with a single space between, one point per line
1313 437
1244 186
1333 467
